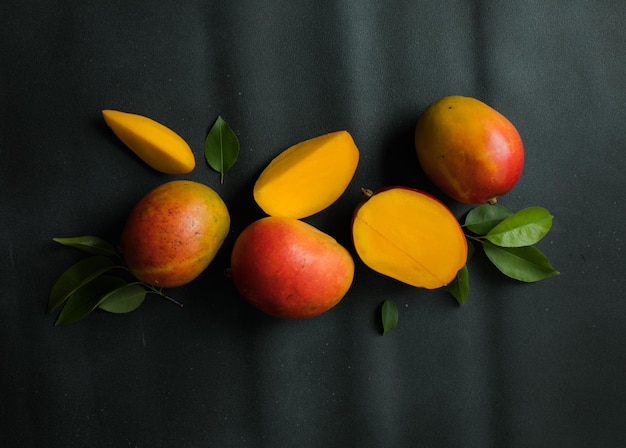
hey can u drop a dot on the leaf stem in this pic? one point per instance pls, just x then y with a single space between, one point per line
159 291
480 239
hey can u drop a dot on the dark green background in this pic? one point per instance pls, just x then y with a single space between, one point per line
520 365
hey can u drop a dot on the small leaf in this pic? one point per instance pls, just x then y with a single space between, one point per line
483 218
90 244
124 299
221 147
389 314
459 287
470 250
526 264
86 298
523 228
77 275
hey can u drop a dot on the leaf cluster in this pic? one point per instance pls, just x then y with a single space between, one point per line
508 240
99 281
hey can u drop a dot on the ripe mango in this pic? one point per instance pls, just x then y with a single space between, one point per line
290 269
174 232
469 150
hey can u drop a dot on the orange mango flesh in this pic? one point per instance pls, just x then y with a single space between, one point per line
307 177
409 236
157 145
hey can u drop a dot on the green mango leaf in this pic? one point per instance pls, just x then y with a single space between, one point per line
523 228
124 299
470 250
526 264
389 315
77 275
483 218
90 244
221 147
459 287
87 298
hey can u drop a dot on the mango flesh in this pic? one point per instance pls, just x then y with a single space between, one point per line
410 236
469 150
307 177
157 145
174 232
290 269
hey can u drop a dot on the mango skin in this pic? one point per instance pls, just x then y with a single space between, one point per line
470 151
174 232
289 269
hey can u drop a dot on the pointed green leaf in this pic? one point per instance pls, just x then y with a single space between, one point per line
526 264
459 287
124 299
221 147
523 228
470 250
86 298
389 315
483 218
90 244
75 276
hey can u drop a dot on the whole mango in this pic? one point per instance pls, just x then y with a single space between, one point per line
469 150
289 269
174 232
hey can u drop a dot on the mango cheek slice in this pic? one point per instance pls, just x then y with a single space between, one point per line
307 177
409 236
157 145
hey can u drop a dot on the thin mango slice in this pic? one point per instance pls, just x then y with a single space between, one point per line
410 236
157 145
307 177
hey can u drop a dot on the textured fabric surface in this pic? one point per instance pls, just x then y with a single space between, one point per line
519 365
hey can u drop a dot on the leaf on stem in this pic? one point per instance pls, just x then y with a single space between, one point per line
125 299
77 275
221 147
483 218
90 244
459 287
389 315
526 264
523 228
86 298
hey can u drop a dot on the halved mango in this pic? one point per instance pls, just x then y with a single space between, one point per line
157 145
410 236
307 177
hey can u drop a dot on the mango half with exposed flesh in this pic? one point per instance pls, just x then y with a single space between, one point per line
307 177
156 144
410 236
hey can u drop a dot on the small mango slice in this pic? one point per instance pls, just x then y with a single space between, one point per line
307 177
157 145
410 236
